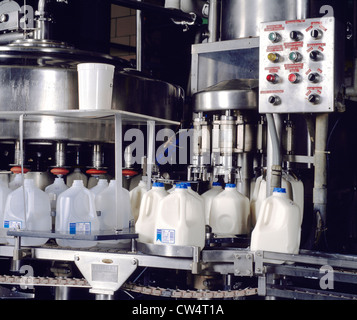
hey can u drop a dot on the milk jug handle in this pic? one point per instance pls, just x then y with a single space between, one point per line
147 205
91 203
182 210
266 209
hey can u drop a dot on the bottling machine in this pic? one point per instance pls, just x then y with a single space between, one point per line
271 93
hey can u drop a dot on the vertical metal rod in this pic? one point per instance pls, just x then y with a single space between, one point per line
21 134
62 293
138 40
273 154
320 180
118 167
213 21
151 151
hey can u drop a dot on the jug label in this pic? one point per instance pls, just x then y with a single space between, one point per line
12 224
165 236
80 227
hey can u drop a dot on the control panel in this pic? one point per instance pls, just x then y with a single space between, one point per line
297 61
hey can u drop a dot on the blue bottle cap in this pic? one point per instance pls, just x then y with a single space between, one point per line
230 185
181 186
279 190
216 184
158 184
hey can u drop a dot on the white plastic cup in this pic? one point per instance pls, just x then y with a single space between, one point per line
95 86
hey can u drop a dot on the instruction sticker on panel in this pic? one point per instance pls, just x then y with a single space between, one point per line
165 236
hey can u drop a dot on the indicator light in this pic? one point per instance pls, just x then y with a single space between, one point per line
316 34
296 35
295 56
274 37
316 55
274 100
294 78
273 57
314 77
314 99
273 78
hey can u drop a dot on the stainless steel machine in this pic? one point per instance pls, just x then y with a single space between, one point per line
272 90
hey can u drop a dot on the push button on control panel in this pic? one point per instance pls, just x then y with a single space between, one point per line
296 35
273 78
314 99
274 37
316 55
274 57
314 77
295 56
274 100
294 78
316 34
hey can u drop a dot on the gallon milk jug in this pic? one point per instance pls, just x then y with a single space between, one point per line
208 197
101 185
4 192
260 194
53 191
180 219
32 213
16 182
76 214
136 196
111 219
297 188
194 193
230 212
77 175
278 227
145 226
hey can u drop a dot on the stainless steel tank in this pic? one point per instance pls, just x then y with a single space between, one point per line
241 18
42 75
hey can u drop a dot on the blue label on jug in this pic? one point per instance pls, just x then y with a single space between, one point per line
165 236
12 224
80 227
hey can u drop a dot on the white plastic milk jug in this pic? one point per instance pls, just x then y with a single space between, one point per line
208 197
76 214
136 196
180 219
101 185
145 226
260 194
16 182
111 219
297 188
32 213
76 175
4 192
230 212
194 193
54 190
278 228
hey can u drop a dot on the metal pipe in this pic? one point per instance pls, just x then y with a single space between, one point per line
139 32
213 21
7 38
274 157
320 180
